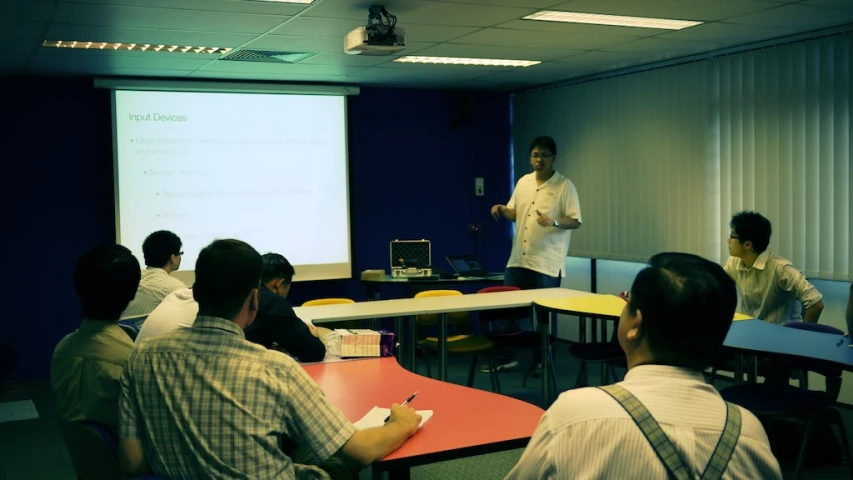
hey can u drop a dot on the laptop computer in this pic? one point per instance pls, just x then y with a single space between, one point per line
466 265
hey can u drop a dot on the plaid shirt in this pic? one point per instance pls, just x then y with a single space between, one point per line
154 286
207 403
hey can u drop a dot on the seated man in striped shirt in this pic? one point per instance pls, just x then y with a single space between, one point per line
678 313
204 402
162 251
770 287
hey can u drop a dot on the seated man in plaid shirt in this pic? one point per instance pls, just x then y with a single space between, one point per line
203 402
663 421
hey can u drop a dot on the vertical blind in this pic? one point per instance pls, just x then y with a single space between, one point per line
663 158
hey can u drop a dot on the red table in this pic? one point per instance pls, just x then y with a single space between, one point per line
466 421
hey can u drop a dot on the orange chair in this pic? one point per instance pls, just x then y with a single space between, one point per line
463 343
334 301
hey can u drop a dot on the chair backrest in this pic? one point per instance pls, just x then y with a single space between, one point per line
93 450
498 288
503 313
461 320
327 301
129 328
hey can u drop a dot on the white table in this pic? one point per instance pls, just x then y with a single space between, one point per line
409 307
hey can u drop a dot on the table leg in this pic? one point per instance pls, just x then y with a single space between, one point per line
543 319
442 347
738 368
413 348
581 329
604 337
594 325
398 338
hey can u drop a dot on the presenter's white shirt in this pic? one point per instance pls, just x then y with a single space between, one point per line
537 248
587 434
177 310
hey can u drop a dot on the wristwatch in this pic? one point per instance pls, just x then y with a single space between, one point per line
556 223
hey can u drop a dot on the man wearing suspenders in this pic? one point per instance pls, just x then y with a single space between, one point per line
663 421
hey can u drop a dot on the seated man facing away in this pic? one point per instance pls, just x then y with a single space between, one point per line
770 287
88 363
276 321
678 314
162 250
203 402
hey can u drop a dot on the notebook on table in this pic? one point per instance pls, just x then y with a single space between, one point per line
466 265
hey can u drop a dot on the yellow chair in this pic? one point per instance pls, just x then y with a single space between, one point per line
334 301
465 342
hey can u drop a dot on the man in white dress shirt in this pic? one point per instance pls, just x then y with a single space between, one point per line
162 251
770 287
678 313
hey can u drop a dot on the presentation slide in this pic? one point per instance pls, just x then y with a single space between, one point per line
268 169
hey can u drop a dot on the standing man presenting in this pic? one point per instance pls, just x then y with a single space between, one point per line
545 207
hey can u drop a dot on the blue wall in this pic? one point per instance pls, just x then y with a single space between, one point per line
413 158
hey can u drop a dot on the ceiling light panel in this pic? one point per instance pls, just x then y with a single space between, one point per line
482 62
139 47
614 20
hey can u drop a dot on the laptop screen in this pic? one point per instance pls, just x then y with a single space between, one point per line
466 265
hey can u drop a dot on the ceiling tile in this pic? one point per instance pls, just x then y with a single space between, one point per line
276 77
485 51
119 60
232 6
845 4
529 39
274 68
87 33
505 3
579 28
801 17
702 10
19 45
29 30
726 33
603 61
167 18
347 60
423 12
25 10
316 45
664 48
424 72
337 28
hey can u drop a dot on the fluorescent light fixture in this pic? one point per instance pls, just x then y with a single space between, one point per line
286 1
483 62
140 47
617 20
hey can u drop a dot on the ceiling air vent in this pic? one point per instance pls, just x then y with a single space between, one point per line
267 56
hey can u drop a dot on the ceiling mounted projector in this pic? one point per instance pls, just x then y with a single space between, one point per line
379 37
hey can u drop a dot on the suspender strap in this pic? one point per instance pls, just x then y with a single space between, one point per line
725 446
663 446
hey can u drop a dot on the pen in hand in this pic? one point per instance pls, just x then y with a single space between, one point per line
406 402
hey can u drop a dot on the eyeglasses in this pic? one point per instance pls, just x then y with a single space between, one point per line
180 253
733 236
626 295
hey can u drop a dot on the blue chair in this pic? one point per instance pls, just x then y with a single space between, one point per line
785 402
94 451
129 328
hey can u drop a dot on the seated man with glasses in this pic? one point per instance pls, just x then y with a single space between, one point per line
545 208
162 251
770 287
663 418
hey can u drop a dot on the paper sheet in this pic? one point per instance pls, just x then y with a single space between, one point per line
376 418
